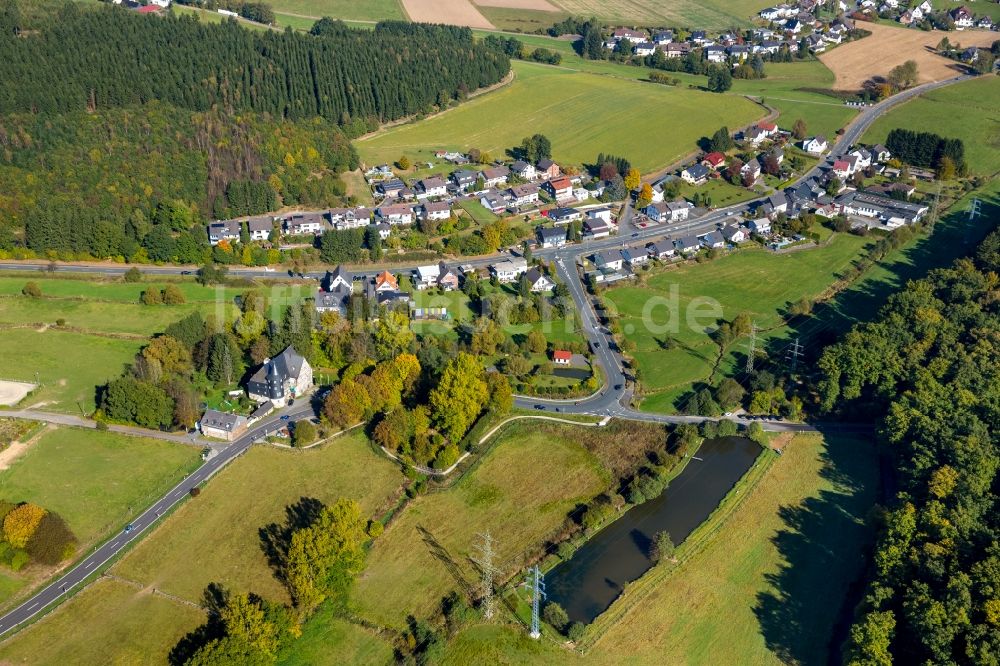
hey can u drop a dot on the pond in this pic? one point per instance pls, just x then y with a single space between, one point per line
587 583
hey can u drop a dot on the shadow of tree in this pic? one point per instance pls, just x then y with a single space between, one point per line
823 544
275 537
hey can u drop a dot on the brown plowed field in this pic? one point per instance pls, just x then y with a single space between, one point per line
856 62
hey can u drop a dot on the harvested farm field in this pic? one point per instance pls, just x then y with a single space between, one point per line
856 62
536 5
453 12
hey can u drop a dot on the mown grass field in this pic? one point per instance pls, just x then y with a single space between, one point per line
520 491
966 111
94 479
581 114
755 281
750 595
692 14
69 365
109 622
356 10
214 538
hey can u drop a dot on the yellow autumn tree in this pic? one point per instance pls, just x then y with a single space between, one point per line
20 524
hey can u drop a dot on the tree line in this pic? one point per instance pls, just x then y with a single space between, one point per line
928 370
106 57
926 149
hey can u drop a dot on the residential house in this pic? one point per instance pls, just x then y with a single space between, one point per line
595 227
280 379
714 54
761 226
524 195
661 249
493 201
714 160
303 224
537 281
672 211
391 188
562 357
629 34
495 176
701 38
340 279
713 240
635 255
863 158
551 236
777 153
223 230
609 260
816 145
696 174
816 43
425 277
464 178
448 279
219 425
435 186
260 228
733 234
687 245
738 52
509 270
663 37
962 17
384 230
643 49
842 169
436 210
523 170
380 172
385 281
750 171
603 213
676 49
778 202
879 153
350 218
985 23
546 168
396 214
564 215
560 188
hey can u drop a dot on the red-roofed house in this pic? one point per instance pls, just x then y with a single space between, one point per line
714 160
560 188
770 128
562 357
842 169
148 9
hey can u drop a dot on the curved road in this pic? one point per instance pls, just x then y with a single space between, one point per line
54 591
607 401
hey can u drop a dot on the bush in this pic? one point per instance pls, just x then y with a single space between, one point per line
151 296
727 428
172 295
32 290
60 322
662 547
447 457
52 541
575 631
375 529
133 275
18 560
194 492
555 616
304 433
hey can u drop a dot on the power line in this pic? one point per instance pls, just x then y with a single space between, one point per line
795 351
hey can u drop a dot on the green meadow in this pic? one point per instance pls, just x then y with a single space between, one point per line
582 115
966 111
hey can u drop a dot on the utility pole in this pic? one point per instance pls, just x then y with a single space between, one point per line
974 211
484 559
536 601
795 352
752 350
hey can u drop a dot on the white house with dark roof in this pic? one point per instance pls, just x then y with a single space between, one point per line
537 281
435 210
434 186
223 230
260 228
696 174
551 236
509 270
524 195
523 169
495 176
816 145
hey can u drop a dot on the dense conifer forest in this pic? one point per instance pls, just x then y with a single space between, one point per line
927 370
120 134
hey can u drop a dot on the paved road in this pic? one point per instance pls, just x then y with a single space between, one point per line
110 548
79 422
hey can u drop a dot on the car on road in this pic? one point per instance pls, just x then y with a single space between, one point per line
129 528
540 407
635 234
185 272
284 417
618 387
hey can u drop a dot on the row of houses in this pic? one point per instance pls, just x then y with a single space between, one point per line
613 262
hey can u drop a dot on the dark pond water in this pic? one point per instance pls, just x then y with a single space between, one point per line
571 373
586 584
